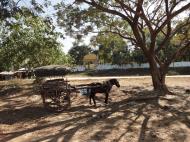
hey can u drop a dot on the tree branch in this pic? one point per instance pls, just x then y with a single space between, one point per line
114 12
177 29
138 11
171 16
178 53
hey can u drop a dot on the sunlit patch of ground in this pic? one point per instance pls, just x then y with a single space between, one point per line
23 118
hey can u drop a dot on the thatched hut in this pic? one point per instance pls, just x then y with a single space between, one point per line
51 70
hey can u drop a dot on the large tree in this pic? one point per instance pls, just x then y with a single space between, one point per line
30 41
140 21
78 52
27 37
112 48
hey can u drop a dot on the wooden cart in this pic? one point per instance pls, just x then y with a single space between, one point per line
55 93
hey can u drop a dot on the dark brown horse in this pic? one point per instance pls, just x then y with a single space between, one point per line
104 87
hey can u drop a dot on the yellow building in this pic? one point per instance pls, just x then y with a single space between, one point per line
90 59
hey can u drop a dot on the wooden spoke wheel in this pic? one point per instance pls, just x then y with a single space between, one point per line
56 97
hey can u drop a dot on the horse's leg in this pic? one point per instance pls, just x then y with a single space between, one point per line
90 93
90 97
106 99
93 98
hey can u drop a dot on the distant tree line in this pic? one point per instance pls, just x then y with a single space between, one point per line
111 48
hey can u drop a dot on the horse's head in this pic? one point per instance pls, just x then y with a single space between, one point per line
114 82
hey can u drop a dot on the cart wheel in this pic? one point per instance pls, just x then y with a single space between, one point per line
56 101
55 95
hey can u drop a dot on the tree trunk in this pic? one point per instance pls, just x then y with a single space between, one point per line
158 77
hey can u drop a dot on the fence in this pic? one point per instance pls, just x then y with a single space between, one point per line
78 68
129 66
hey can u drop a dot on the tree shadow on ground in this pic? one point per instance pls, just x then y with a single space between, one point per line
28 113
10 90
133 112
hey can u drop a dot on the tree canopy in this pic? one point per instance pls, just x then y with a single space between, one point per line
112 48
141 22
8 8
78 52
29 40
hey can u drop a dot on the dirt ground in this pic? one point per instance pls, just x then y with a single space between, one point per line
165 119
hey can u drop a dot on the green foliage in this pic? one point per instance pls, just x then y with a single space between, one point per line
181 37
7 9
30 42
79 20
78 52
142 28
138 56
112 49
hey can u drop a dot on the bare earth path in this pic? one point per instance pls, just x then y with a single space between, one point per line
166 119
121 77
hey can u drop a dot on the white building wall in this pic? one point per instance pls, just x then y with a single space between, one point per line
128 66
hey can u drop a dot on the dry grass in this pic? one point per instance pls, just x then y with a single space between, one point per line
22 117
